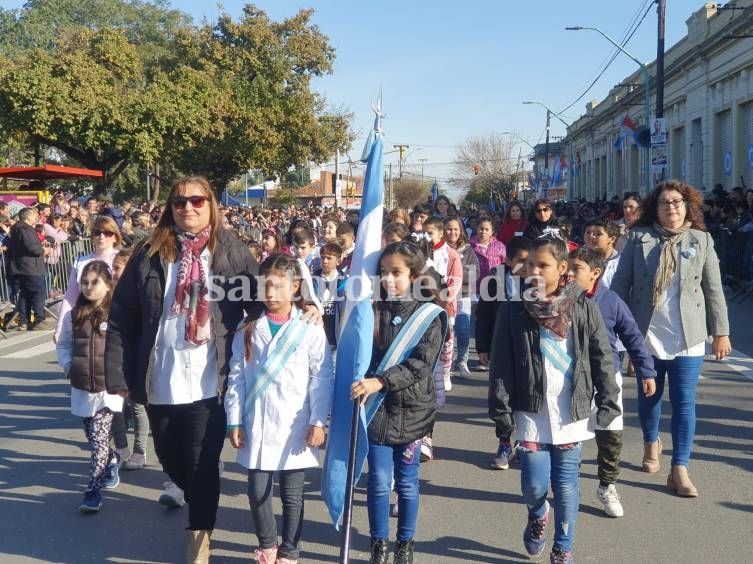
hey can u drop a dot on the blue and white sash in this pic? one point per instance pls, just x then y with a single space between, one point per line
551 350
288 339
402 347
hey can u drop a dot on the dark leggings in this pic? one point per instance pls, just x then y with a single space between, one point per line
188 441
260 484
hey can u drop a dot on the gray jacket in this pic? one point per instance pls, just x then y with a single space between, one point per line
703 308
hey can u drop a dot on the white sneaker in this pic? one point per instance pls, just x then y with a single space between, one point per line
172 495
447 383
610 499
463 371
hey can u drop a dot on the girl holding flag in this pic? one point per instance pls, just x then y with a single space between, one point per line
278 399
408 335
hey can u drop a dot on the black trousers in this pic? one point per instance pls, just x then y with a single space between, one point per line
31 297
188 441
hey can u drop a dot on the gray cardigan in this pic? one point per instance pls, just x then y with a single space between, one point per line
703 308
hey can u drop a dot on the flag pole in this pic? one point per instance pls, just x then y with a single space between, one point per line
350 484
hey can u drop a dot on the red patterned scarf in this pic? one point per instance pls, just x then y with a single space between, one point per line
556 312
191 293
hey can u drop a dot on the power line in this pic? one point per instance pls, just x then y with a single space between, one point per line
611 60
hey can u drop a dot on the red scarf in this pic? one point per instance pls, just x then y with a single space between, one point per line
191 293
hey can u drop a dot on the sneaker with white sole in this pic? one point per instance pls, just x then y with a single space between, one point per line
111 478
610 499
463 371
172 495
502 458
427 449
534 535
136 462
447 383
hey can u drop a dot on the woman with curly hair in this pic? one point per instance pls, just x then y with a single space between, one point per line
669 276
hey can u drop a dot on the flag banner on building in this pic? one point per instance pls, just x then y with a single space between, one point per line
356 337
434 193
560 166
630 125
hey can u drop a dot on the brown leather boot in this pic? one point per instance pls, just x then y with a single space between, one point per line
679 482
197 547
651 453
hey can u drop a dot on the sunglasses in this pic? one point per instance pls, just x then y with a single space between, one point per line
98 232
197 202
542 210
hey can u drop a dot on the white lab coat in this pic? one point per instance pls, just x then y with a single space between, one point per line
300 396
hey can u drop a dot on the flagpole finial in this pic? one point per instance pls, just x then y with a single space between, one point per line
377 107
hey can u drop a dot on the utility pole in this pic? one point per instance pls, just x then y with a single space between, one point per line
390 202
546 147
402 149
660 10
337 173
422 161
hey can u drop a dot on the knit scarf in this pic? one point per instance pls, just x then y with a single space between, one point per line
191 293
667 258
556 312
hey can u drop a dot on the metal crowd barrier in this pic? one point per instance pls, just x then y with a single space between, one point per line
59 262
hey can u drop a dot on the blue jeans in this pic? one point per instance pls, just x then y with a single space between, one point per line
682 373
462 337
560 466
384 461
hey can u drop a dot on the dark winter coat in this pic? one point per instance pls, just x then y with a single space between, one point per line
409 407
87 370
516 370
137 306
25 250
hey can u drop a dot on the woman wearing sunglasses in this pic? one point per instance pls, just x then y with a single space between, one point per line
106 241
169 342
541 218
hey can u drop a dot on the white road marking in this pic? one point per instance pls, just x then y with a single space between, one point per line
32 351
13 342
737 361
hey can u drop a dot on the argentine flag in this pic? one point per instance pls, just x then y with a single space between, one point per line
355 344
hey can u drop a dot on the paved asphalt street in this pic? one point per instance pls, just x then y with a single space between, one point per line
468 512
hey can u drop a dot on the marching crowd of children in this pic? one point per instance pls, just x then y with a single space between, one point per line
547 328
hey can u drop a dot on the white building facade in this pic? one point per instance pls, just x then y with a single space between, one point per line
708 106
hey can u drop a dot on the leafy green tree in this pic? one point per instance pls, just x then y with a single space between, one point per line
113 83
272 118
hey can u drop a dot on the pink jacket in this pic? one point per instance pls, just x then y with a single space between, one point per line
488 258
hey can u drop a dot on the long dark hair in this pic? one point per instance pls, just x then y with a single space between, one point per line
84 310
693 204
429 290
532 215
274 263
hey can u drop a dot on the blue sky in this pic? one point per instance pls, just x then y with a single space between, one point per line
452 70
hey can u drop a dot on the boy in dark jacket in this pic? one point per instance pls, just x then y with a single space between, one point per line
505 282
586 267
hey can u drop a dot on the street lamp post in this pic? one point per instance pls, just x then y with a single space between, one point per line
647 85
549 114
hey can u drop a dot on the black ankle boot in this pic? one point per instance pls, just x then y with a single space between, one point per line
404 552
378 551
